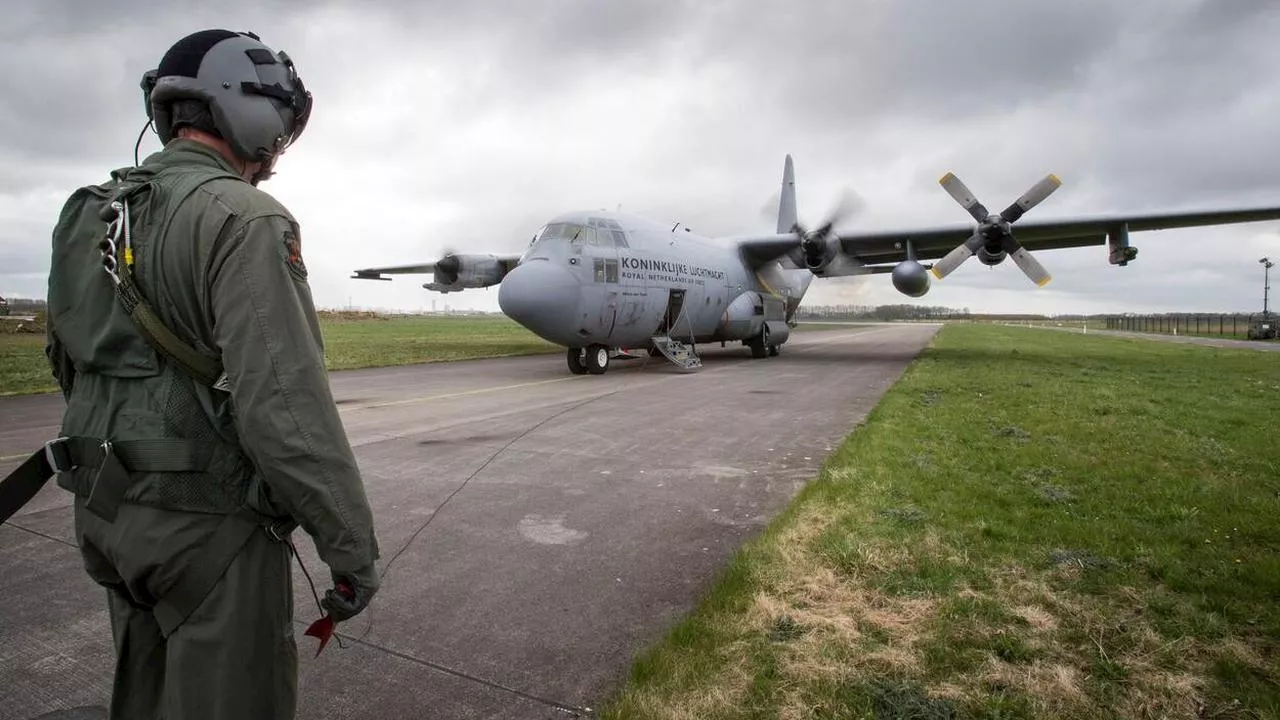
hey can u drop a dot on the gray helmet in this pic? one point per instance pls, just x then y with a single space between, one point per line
258 103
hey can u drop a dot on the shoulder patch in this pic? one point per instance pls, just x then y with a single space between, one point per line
293 254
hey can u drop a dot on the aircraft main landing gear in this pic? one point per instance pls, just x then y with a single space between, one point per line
759 344
593 359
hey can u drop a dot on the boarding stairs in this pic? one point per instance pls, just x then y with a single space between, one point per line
682 355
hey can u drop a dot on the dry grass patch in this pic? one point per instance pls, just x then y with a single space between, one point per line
1087 533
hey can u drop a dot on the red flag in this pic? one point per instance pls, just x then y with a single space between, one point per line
323 629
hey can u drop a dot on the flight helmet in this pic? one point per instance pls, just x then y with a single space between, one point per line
256 99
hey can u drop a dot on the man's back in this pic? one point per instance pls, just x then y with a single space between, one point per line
200 430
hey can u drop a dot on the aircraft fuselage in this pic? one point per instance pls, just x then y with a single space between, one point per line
615 280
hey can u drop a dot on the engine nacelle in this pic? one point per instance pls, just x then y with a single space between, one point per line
815 256
989 258
742 318
910 278
459 272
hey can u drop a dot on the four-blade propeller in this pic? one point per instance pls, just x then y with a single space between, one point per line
994 231
814 243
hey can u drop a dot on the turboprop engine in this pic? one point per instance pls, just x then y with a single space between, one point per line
910 278
989 258
457 272
992 241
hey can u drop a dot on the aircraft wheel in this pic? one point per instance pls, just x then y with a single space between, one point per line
773 351
577 365
760 343
597 359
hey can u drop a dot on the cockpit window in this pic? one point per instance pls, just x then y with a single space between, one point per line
560 231
600 232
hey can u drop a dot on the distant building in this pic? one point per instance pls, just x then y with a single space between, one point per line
4 306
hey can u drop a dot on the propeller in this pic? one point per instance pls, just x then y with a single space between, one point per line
449 265
995 229
813 243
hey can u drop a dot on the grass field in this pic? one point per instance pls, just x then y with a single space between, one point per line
1029 525
23 368
401 341
350 342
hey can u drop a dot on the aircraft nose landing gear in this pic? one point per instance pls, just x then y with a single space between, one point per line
592 359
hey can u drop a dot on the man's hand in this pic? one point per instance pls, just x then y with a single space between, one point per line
351 593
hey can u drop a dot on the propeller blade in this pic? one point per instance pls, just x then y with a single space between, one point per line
1030 266
960 192
955 258
769 211
1031 198
849 204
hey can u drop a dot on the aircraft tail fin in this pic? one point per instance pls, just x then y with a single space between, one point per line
787 200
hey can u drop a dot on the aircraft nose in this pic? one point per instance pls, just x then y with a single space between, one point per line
543 297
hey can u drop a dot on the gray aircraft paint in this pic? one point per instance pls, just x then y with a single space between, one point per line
600 281
628 312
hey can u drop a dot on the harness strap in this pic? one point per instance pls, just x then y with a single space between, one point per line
205 369
113 462
23 484
206 569
202 367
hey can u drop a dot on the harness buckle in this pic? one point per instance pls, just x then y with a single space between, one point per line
280 530
58 454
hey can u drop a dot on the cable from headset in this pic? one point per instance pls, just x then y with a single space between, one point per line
137 145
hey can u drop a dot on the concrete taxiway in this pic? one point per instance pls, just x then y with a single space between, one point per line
573 519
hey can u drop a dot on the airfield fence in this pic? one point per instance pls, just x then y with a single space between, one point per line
1221 325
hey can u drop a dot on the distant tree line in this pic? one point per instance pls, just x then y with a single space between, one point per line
25 306
883 313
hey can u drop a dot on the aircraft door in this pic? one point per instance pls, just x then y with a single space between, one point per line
602 296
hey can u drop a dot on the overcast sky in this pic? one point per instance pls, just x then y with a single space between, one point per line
464 126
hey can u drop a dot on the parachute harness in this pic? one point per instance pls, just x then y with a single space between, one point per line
117 229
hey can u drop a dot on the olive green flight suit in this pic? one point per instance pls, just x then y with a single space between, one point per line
226 275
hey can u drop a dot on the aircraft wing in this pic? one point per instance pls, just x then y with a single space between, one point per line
377 272
759 251
931 243
452 273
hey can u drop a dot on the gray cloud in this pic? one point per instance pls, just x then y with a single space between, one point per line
465 125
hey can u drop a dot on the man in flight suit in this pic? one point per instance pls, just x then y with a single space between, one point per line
201 614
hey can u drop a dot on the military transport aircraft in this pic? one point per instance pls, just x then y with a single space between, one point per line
596 282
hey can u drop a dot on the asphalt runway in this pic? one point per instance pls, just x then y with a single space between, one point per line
582 516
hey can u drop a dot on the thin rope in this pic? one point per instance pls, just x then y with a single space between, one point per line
386 570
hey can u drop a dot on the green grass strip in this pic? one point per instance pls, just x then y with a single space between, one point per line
1030 524
350 342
